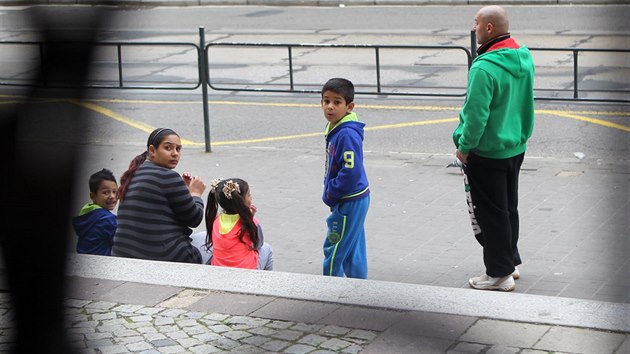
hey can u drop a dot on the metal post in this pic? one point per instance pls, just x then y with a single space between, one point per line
473 47
203 80
378 71
120 73
575 74
290 68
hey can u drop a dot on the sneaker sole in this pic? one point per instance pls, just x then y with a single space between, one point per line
492 288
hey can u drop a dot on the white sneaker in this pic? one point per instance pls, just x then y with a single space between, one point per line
516 274
486 282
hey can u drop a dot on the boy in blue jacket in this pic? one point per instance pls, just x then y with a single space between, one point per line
96 224
346 189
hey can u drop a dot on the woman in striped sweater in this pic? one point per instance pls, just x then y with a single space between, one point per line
158 207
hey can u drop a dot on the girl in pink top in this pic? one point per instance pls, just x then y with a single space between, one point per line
234 233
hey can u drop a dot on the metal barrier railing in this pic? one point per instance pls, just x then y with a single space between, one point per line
576 77
377 66
201 56
42 48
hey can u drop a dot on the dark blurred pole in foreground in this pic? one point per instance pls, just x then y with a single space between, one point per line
37 177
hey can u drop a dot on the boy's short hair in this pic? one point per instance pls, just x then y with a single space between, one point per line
343 87
98 177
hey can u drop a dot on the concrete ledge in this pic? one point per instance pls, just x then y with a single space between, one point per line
363 293
153 3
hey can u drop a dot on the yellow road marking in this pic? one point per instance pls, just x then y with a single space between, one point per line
109 113
602 122
578 115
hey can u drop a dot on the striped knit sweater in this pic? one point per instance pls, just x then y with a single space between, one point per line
155 217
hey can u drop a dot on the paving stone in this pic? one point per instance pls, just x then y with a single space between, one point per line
76 303
578 340
104 316
225 343
217 317
145 310
219 328
161 320
163 343
147 330
187 322
175 349
188 342
275 345
99 343
194 314
334 331
96 336
127 308
335 344
129 340
263 331
166 329
299 349
313 339
465 347
153 336
194 330
173 312
140 318
280 324
288 335
353 349
204 349
305 327
522 335
134 347
236 335
246 320
207 337
502 349
177 335
255 340
114 349
361 334
100 305
246 349
150 351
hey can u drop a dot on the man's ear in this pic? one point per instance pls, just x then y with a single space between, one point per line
350 107
92 195
489 27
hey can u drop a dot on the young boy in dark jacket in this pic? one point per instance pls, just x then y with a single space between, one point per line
96 224
346 189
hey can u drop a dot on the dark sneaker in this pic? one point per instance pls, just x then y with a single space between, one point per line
486 282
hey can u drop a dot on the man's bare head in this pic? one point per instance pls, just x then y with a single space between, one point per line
490 22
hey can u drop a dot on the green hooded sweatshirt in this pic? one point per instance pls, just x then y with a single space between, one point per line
497 118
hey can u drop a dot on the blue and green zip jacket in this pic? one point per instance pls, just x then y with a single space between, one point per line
95 227
345 177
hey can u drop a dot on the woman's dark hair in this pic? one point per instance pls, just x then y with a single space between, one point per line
343 87
155 138
98 177
233 205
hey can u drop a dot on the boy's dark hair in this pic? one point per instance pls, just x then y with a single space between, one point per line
343 87
98 177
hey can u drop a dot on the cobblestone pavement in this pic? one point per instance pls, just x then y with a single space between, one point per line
102 327
108 328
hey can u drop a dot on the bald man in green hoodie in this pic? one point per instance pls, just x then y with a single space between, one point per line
495 123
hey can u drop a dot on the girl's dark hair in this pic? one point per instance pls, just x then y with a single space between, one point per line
98 177
235 205
340 86
155 138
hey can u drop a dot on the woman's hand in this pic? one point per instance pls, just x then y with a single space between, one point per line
253 209
187 177
196 186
